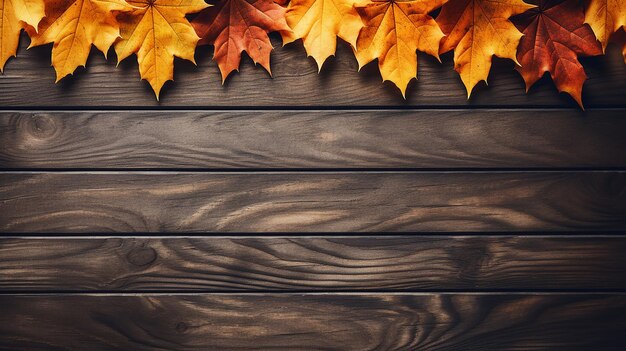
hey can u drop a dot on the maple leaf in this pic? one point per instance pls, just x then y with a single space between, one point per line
319 22
14 16
157 30
477 30
605 18
73 26
234 26
393 32
554 36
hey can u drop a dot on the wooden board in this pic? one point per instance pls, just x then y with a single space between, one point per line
80 202
296 263
28 81
426 322
310 211
382 139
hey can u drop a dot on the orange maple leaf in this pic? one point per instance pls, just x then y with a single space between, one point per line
605 18
393 32
234 26
554 36
73 26
157 30
14 16
477 30
318 23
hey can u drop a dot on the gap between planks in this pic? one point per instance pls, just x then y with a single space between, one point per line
307 235
312 108
450 292
305 171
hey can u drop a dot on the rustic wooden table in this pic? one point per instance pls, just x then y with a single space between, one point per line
310 212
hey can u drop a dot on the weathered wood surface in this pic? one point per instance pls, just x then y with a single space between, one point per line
497 292
28 81
426 322
313 139
79 202
372 263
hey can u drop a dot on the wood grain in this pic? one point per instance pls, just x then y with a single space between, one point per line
299 120
416 263
176 202
313 139
28 81
426 322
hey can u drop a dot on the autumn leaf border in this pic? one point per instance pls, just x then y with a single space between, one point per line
20 13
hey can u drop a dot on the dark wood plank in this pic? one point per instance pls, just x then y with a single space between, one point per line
313 263
311 202
29 81
314 139
426 322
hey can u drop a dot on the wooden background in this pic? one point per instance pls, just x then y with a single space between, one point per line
310 212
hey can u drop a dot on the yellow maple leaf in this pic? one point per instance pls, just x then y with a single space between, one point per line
393 32
15 15
157 30
318 23
73 26
477 30
605 18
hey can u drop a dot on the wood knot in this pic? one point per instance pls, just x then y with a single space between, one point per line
142 256
40 126
473 261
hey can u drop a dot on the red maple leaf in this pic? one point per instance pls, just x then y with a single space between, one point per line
554 36
234 26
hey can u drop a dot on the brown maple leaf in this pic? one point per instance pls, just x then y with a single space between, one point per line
554 36
234 26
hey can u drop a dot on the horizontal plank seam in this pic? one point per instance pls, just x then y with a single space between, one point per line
343 235
312 108
311 293
134 170
263 171
304 235
92 109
